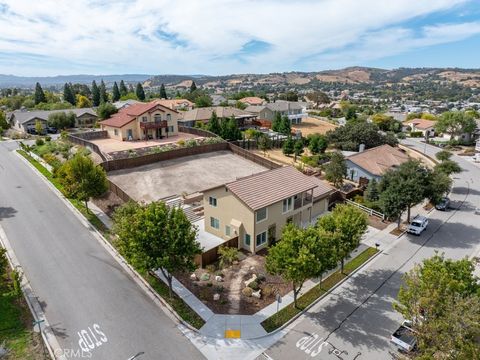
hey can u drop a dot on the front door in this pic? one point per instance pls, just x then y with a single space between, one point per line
129 134
159 133
272 229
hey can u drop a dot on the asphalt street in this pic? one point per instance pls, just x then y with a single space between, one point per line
357 319
83 291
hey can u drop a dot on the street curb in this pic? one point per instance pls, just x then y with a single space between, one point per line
139 280
320 298
36 310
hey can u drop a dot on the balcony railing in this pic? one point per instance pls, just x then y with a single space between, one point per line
297 203
153 125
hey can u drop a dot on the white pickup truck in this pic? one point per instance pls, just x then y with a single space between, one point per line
404 337
418 224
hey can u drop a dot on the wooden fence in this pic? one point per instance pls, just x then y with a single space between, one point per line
210 256
196 131
237 150
118 191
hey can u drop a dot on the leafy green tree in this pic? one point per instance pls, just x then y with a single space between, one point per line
299 255
203 101
95 94
317 143
448 167
336 169
439 185
213 124
39 127
60 120
154 236
441 297
39 94
193 87
123 89
68 94
115 92
391 201
3 120
264 143
346 224
140 92
288 146
233 131
105 110
297 149
277 120
163 92
82 179
318 97
285 126
103 92
83 101
443 155
371 192
455 123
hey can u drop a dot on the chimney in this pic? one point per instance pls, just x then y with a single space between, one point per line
361 148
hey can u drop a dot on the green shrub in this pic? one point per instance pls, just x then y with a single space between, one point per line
253 285
227 256
247 291
39 142
209 284
267 291
210 268
181 142
48 138
416 134
191 143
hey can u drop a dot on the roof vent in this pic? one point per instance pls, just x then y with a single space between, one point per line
361 148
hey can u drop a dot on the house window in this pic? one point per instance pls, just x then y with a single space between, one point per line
212 201
169 117
144 119
246 240
287 204
170 129
115 132
227 230
261 238
214 223
261 214
158 118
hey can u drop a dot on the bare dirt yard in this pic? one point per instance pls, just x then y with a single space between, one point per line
188 174
231 289
314 126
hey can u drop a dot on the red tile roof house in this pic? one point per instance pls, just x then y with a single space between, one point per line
253 100
142 121
426 127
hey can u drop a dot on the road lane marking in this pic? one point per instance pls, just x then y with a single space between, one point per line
90 339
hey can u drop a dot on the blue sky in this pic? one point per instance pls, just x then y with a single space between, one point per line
54 37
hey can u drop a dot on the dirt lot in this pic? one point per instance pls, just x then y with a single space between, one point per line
187 174
314 126
113 145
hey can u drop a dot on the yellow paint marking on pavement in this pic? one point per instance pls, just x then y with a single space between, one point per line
232 334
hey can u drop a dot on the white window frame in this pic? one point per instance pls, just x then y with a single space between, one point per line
266 215
213 222
228 230
212 201
263 242
289 206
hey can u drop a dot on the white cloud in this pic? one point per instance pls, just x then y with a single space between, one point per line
159 36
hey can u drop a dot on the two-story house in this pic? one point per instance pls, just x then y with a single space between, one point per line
142 121
295 111
257 207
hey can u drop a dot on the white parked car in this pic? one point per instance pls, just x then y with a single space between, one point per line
404 337
418 224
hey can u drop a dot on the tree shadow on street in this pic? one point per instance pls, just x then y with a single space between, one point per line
7 212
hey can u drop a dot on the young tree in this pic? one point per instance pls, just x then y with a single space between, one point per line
297 149
264 143
285 127
39 96
105 110
441 299
288 146
371 192
155 236
213 124
95 94
60 120
140 92
83 101
336 169
296 257
38 127
455 123
347 225
115 92
391 201
82 179
277 120
193 87
123 89
103 93
317 143
448 167
163 92
233 131
443 155
439 185
68 94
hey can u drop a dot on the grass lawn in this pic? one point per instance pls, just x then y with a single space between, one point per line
182 309
284 315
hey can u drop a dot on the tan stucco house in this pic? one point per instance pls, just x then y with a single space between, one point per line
257 207
142 121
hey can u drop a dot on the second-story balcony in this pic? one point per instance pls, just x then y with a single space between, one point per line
153 124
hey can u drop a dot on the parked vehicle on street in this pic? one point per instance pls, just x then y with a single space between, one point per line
443 204
51 130
418 224
404 337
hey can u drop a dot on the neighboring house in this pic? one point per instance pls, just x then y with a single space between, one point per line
426 127
253 100
21 120
177 104
217 99
125 103
256 208
142 121
465 136
374 162
189 118
295 111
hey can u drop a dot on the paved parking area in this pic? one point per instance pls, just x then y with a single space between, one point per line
187 174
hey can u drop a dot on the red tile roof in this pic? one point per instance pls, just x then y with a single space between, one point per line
422 124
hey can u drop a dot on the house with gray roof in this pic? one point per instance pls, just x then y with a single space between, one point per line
189 118
296 111
22 120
